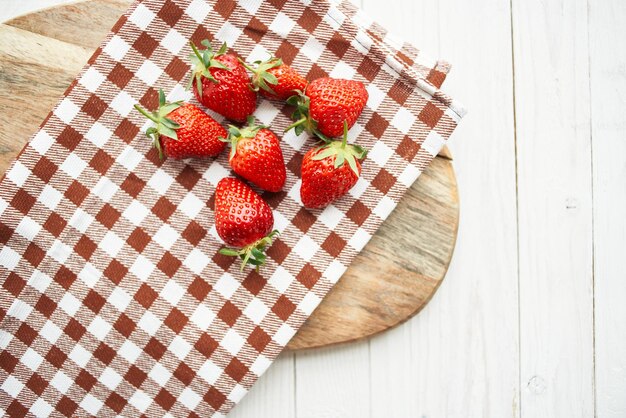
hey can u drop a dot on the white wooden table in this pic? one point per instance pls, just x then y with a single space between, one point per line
531 319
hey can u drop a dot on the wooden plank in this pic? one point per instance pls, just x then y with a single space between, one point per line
607 46
334 382
459 357
555 207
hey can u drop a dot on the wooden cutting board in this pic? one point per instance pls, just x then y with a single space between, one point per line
391 280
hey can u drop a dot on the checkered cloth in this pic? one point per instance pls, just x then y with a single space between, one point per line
114 299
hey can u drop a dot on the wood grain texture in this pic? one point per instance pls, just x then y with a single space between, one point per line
607 48
391 280
555 207
459 357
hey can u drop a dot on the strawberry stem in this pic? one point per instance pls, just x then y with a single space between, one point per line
253 254
164 125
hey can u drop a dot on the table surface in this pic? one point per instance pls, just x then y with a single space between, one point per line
531 319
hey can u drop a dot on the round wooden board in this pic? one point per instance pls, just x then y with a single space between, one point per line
391 280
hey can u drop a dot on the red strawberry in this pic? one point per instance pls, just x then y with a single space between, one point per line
244 221
183 130
256 156
221 82
276 80
326 105
329 171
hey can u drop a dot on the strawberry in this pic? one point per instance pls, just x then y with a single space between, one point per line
221 82
183 130
329 171
244 221
256 156
326 104
275 80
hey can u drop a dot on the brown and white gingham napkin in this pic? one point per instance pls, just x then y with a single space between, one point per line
113 298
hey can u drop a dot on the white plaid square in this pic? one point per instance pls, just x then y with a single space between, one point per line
256 310
66 111
91 404
119 298
70 304
359 239
203 317
39 281
403 120
42 142
79 355
18 174
142 16
140 400
129 158
179 347
160 181
309 303
343 70
142 268
282 25
98 134
237 393
210 372
59 251
110 378
81 220
135 212
12 386
61 382
433 143
149 72
50 197
111 244
41 408
99 328
31 359
232 342
105 189
281 279
312 49
50 332
306 248
129 351
228 33
384 207
226 285
191 205
28 228
159 374
123 103
166 236
116 48
189 398
409 175
198 10
149 323
260 365
9 258
380 153
334 271
172 292
174 41
73 166
284 334
91 79
90 275
196 261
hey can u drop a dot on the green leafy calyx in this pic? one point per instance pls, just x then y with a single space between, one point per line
236 134
302 117
253 254
342 152
202 60
262 78
164 125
